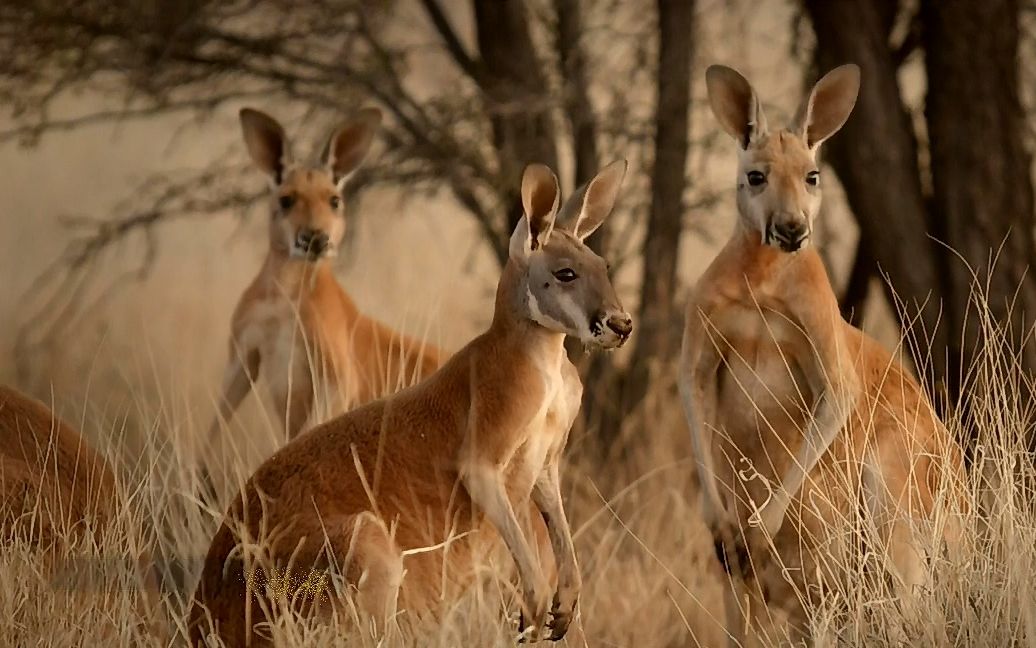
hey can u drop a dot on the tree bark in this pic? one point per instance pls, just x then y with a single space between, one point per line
597 369
578 108
875 157
517 99
981 170
853 301
656 337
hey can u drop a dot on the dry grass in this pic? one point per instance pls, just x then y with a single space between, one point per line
650 578
149 373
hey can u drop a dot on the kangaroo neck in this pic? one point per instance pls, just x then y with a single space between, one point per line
297 276
510 317
760 262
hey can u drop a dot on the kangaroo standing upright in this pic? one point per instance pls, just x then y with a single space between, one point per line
450 464
295 323
790 407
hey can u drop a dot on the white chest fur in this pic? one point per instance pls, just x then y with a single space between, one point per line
289 355
546 433
762 349
754 322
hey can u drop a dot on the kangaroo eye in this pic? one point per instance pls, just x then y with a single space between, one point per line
566 275
286 202
813 178
336 202
756 178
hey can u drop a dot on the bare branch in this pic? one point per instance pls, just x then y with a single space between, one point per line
503 106
449 36
28 134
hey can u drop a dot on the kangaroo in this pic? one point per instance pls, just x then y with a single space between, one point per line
54 485
426 480
295 323
788 405
57 492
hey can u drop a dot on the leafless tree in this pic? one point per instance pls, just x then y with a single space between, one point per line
938 195
658 318
516 87
944 199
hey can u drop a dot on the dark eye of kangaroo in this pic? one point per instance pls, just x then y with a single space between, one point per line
335 202
565 275
813 178
756 178
286 202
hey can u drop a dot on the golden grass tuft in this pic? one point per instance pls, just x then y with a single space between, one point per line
650 576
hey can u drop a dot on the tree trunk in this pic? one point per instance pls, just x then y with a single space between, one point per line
875 157
981 170
517 99
853 301
655 337
578 108
598 370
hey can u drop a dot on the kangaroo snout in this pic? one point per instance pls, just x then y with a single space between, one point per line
618 324
790 235
621 324
313 242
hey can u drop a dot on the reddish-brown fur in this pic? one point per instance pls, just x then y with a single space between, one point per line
446 464
315 479
54 485
295 323
57 492
770 368
360 356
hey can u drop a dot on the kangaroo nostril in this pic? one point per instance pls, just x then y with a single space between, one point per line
794 230
622 325
312 241
319 242
791 234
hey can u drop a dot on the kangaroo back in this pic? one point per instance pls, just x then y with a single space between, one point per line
53 484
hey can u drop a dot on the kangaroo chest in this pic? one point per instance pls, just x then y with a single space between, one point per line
303 349
761 346
763 396
546 434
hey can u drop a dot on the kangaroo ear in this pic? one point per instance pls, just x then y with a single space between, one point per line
350 143
829 104
540 197
735 104
266 142
586 210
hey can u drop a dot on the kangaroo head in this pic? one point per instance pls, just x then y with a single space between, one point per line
566 287
308 219
778 180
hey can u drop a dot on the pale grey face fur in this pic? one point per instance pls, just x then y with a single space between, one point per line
566 285
569 291
778 190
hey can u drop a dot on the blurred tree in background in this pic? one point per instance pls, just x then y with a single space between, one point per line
942 196
524 87
944 199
